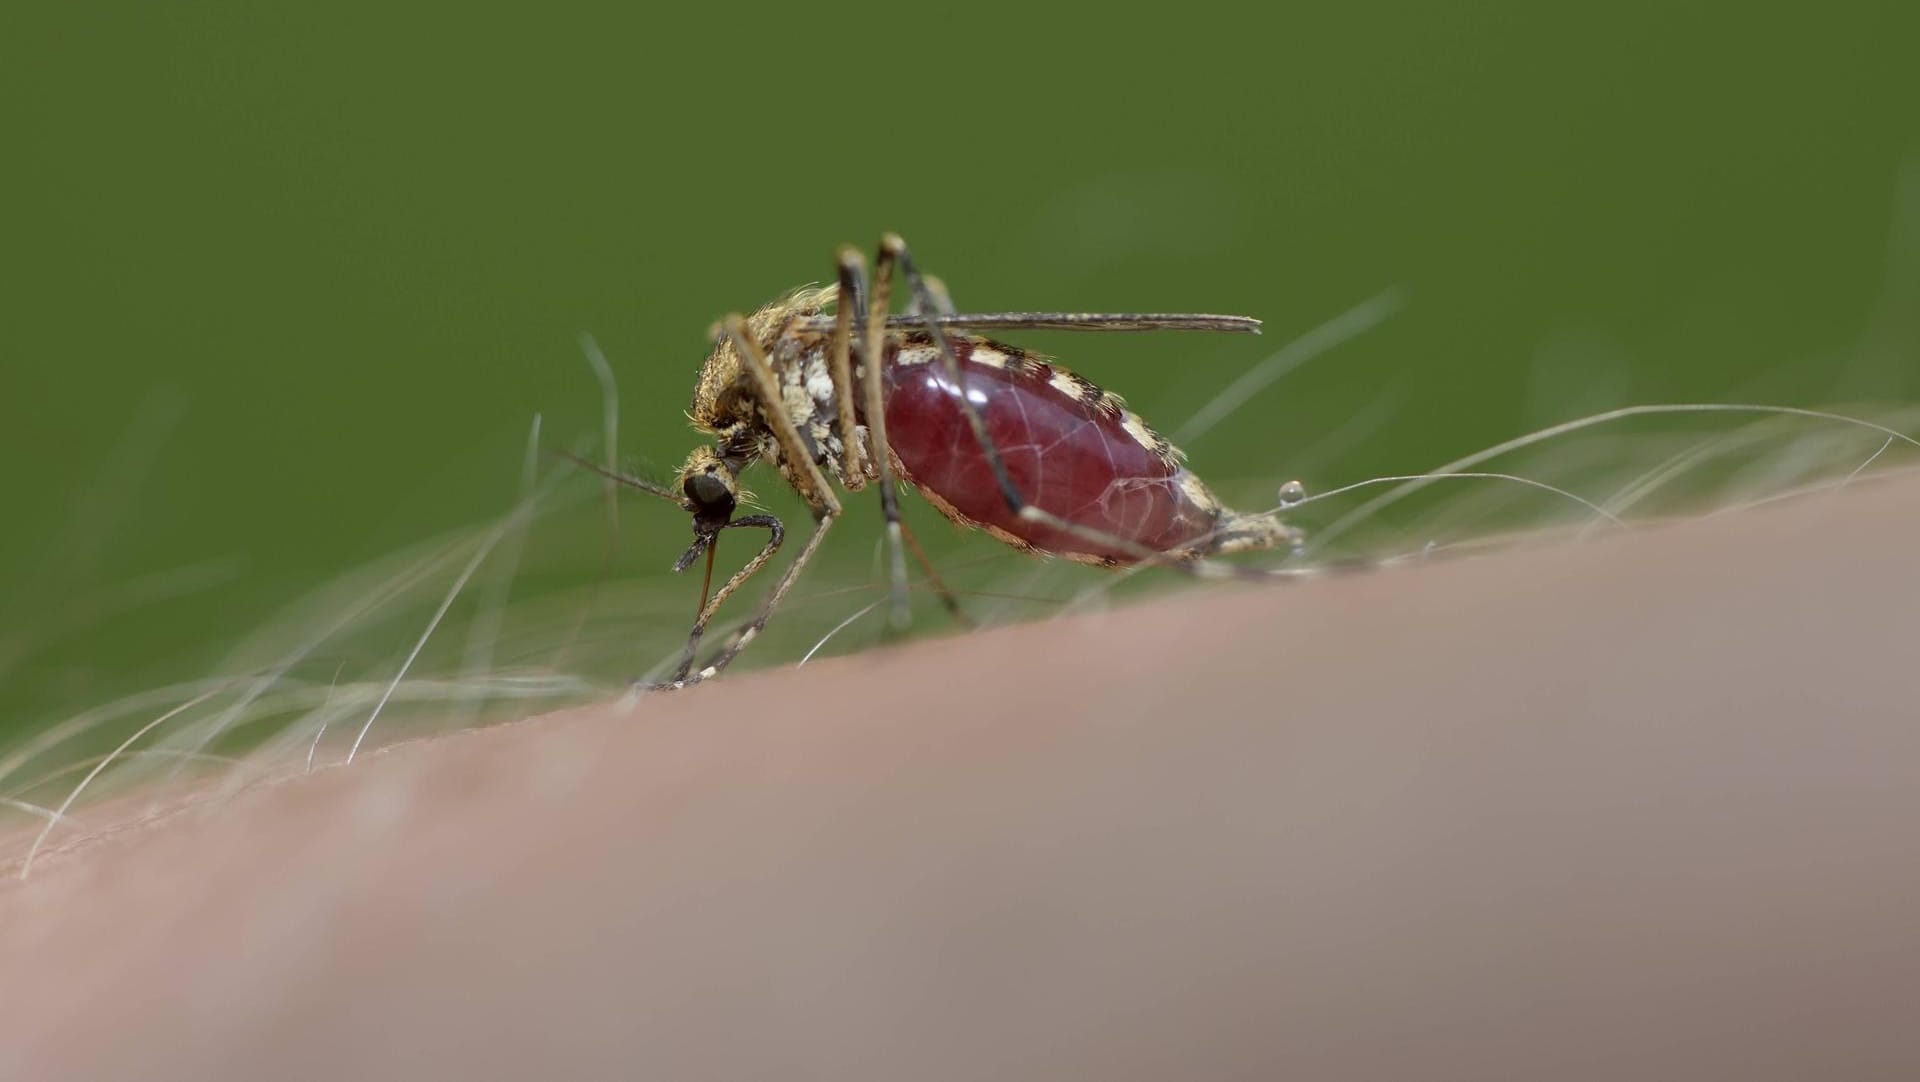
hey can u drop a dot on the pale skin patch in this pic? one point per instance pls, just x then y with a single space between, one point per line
989 356
916 355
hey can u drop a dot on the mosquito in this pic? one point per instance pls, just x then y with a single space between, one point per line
993 436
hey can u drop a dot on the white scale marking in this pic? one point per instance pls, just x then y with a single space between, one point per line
1138 430
1065 384
819 383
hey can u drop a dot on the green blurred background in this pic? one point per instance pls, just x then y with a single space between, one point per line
284 287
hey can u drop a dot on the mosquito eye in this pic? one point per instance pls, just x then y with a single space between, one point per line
710 496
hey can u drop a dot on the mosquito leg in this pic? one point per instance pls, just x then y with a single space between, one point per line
873 357
775 534
740 638
940 589
853 273
937 299
849 330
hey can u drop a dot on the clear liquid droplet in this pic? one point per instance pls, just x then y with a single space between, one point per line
1292 493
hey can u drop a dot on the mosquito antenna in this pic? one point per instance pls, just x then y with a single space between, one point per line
628 480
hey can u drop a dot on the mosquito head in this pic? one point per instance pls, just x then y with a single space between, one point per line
711 486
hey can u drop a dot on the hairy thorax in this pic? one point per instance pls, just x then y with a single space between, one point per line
724 403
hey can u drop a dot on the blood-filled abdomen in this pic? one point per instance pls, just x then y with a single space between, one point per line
1069 450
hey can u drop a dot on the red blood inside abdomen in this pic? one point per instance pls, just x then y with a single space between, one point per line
1066 456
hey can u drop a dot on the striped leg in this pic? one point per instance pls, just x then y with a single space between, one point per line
775 534
739 639
872 356
849 326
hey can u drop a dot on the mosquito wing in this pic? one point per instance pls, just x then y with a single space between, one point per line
1065 321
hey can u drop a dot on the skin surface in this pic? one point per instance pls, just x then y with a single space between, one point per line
1643 807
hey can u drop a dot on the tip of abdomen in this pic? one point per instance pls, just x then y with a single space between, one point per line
1239 531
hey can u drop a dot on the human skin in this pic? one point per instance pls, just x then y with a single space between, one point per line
1642 807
